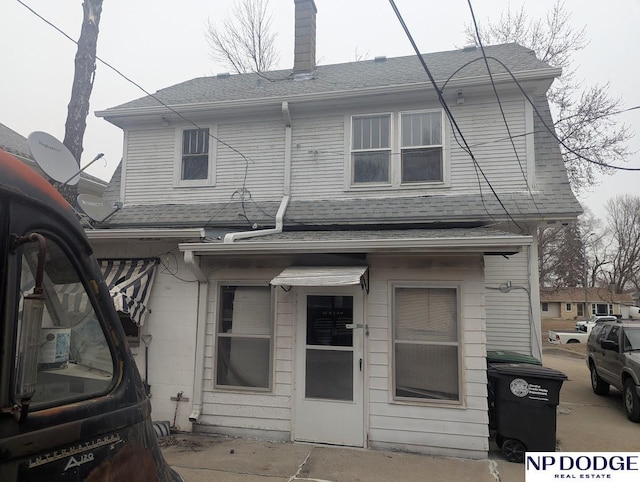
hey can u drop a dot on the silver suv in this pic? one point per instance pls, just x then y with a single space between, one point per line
613 351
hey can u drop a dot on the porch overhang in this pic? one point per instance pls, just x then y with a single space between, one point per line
470 240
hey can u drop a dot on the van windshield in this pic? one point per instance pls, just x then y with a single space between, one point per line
74 359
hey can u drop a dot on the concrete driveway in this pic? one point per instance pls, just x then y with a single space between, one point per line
586 422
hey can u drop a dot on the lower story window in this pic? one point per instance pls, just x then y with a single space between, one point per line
426 343
244 331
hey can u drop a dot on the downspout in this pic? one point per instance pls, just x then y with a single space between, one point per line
193 264
232 237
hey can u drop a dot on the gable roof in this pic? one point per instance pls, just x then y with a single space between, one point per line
343 79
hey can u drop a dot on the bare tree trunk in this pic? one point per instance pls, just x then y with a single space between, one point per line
85 69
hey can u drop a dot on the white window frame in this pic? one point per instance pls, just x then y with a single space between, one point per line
177 170
217 335
395 155
440 146
459 343
389 149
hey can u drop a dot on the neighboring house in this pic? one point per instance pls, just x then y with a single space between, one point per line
333 266
569 303
17 145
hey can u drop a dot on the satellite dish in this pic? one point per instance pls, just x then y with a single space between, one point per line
95 207
54 158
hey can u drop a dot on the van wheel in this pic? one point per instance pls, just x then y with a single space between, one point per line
631 400
600 387
573 340
514 450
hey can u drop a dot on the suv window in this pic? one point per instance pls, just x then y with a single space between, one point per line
613 334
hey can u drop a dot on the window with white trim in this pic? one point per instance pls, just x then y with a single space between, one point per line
195 157
426 343
244 337
416 156
371 149
421 143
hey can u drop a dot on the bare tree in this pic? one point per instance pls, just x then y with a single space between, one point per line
85 69
244 42
585 123
624 224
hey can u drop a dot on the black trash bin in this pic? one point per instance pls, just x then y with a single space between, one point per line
522 407
507 356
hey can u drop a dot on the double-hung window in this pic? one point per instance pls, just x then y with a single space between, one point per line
426 343
371 149
421 155
195 156
379 158
244 337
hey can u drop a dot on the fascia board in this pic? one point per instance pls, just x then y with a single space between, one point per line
113 115
121 234
495 244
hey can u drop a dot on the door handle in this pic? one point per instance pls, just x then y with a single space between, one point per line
352 326
360 364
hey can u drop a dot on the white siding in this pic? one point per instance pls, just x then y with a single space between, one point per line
430 428
508 309
319 156
251 411
172 324
152 155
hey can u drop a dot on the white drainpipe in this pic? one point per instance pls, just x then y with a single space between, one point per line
193 263
232 237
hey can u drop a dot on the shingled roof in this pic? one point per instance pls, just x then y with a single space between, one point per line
341 78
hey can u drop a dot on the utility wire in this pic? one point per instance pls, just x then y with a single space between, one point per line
448 110
546 126
504 117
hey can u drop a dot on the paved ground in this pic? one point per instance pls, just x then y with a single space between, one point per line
585 423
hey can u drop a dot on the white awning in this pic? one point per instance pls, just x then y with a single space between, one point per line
323 276
130 282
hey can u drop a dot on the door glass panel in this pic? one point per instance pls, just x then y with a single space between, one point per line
327 317
329 374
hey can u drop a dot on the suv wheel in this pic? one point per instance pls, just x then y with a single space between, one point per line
600 387
631 400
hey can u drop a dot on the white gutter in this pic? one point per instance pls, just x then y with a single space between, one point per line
233 237
193 263
145 233
487 244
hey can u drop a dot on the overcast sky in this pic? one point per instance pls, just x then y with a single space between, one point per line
158 43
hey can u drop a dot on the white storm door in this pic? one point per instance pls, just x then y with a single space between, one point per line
329 405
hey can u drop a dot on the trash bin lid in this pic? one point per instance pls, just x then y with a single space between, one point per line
524 370
507 356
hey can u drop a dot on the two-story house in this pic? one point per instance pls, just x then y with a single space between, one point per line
333 265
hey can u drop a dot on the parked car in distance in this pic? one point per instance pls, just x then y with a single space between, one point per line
562 337
613 358
586 325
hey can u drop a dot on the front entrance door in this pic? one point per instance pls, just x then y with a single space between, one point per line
329 367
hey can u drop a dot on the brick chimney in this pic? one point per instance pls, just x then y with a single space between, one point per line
304 55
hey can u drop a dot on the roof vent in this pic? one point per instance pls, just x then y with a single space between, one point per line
380 58
469 48
223 75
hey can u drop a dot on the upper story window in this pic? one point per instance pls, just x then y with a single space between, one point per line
421 155
194 166
380 158
195 154
371 149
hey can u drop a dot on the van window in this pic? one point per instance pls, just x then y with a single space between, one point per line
74 359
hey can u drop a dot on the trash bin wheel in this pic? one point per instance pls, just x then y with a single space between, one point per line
513 450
